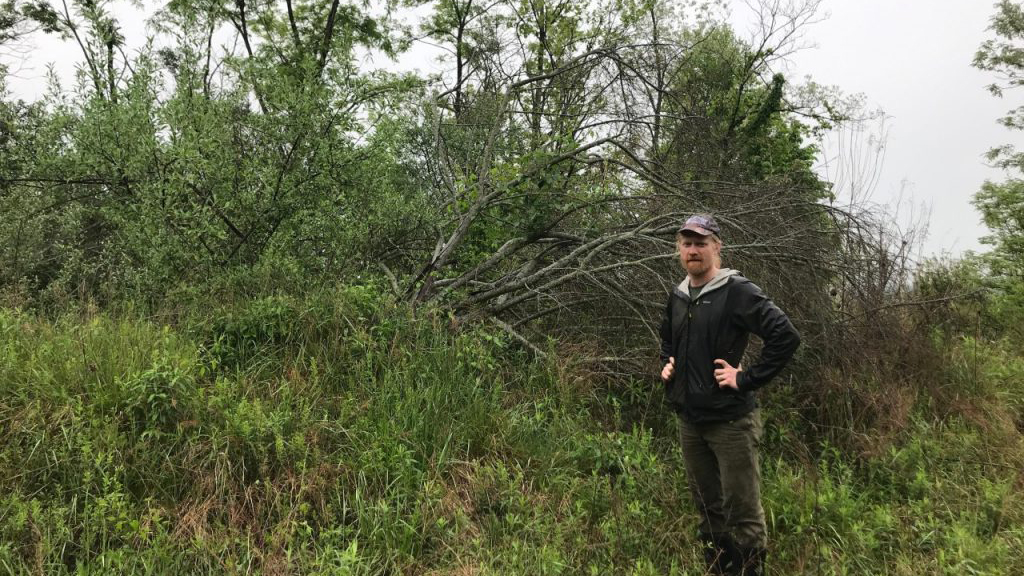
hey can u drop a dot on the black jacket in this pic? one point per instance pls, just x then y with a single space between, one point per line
716 325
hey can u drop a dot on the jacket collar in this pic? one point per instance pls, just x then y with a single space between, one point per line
720 279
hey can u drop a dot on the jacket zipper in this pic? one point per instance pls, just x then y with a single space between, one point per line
686 352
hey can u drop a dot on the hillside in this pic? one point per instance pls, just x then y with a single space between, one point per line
339 434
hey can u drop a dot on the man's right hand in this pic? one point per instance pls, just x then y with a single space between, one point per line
668 370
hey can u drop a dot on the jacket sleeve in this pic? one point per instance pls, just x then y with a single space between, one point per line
666 332
758 314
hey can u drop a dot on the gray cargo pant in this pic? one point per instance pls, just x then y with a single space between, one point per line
725 476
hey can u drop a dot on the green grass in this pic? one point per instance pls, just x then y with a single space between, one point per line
339 434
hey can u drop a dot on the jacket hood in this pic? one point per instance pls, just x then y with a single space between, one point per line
720 279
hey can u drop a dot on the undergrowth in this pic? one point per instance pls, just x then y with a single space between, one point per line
336 433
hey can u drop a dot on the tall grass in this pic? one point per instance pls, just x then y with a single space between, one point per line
336 433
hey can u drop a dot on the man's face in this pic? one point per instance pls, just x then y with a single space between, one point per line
697 253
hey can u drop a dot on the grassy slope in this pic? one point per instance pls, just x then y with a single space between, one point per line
338 435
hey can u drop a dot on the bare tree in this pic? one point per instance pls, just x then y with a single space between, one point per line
573 158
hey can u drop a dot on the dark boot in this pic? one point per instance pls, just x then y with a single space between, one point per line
751 562
720 554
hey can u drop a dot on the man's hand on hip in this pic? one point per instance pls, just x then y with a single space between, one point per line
669 369
726 374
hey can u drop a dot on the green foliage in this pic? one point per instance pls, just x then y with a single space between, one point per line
335 432
1002 204
152 173
249 400
968 297
731 126
1002 209
928 506
1003 55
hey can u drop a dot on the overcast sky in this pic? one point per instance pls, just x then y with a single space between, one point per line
911 58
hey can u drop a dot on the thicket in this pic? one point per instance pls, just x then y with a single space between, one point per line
337 432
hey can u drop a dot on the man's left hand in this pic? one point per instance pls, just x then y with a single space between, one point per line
726 374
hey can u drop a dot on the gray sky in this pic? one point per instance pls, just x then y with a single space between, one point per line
911 58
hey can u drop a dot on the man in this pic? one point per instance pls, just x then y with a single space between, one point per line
704 334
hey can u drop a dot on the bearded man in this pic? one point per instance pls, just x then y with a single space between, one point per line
704 334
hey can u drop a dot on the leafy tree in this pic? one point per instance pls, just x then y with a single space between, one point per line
1002 203
190 160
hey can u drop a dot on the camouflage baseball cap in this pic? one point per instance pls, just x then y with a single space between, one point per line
702 224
